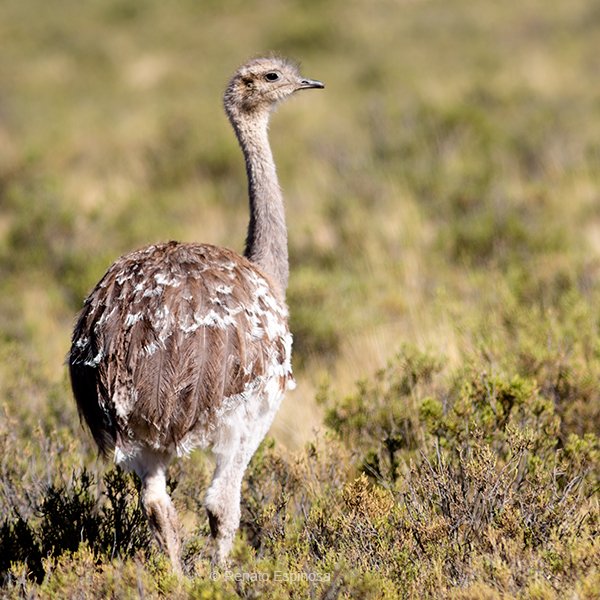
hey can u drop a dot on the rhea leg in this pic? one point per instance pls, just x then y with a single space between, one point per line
223 502
236 443
151 467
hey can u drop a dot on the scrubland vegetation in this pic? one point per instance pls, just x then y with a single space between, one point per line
443 196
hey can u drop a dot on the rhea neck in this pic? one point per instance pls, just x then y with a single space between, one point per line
266 241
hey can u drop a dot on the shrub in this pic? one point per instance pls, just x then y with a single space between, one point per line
69 513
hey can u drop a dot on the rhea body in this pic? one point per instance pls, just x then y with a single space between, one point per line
187 345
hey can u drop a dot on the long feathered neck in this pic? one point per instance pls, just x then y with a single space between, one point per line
266 242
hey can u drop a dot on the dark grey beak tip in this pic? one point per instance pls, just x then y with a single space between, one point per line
308 84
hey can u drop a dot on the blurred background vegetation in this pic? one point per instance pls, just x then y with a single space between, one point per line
443 199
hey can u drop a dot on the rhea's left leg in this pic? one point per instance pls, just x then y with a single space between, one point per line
151 467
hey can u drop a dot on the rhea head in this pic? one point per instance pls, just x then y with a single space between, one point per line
263 82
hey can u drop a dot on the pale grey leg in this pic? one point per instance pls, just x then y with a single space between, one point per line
151 467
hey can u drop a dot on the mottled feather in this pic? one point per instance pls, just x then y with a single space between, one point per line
172 336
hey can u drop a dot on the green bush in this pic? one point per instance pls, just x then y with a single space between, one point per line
73 512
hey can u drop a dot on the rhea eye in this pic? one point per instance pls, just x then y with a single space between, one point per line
272 76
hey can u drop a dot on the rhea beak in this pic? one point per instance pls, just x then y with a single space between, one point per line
308 84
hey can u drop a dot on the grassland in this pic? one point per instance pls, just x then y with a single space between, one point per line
443 196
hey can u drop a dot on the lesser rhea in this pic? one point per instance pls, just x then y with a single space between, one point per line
187 345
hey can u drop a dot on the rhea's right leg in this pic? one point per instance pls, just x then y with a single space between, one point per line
237 441
151 467
223 502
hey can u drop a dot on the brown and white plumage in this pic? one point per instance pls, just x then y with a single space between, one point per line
186 345
174 334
